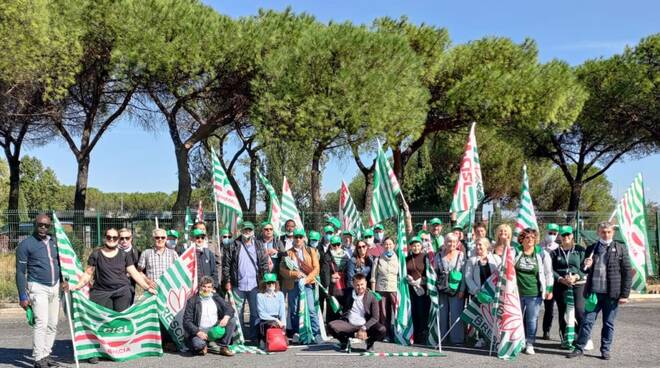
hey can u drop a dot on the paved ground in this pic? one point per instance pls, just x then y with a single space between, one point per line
636 345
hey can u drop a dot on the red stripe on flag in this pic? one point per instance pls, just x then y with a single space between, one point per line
116 343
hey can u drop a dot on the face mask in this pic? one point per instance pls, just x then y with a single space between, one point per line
336 253
205 295
314 243
171 244
289 233
388 253
550 238
247 237
270 288
226 241
426 243
379 237
605 242
201 245
369 241
326 237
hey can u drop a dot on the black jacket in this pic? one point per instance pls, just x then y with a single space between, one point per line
619 271
230 262
193 313
371 310
327 264
206 265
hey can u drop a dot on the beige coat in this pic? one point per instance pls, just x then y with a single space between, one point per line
385 273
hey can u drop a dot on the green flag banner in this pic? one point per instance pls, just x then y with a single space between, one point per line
289 209
386 189
274 208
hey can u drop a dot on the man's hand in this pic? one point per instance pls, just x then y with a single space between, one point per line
152 290
202 335
228 286
564 281
335 277
548 296
65 286
223 322
361 334
280 324
24 304
460 295
623 300
588 262
272 251
301 275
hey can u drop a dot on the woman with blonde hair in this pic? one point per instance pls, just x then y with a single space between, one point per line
502 240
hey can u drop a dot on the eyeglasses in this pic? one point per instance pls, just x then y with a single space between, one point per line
368 237
361 246
112 238
160 237
43 224
226 237
552 233
298 236
200 237
268 229
336 245
124 238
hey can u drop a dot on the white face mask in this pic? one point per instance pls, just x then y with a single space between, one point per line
379 237
171 244
606 242
551 238
271 288
226 241
369 241
247 236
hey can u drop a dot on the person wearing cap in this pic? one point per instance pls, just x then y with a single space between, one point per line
206 265
216 249
566 267
347 237
449 264
273 246
549 243
287 237
419 300
172 241
334 222
360 262
307 268
437 240
314 238
334 264
535 281
208 322
270 305
324 244
244 264
38 280
374 250
457 230
427 244
379 234
385 280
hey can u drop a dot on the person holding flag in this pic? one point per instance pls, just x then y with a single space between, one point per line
609 280
38 280
449 266
334 264
419 299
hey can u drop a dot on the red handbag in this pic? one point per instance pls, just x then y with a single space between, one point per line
276 340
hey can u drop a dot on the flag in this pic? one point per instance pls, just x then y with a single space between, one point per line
104 333
175 287
480 314
386 189
632 225
403 328
229 208
469 189
70 265
510 325
274 209
200 212
188 225
289 209
235 301
334 303
526 217
305 333
348 214
434 309
569 316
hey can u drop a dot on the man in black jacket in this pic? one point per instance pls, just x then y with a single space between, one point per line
243 265
206 265
203 313
360 317
609 277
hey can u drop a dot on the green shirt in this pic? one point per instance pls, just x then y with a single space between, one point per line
527 272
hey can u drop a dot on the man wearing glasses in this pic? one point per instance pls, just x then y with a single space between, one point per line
155 261
206 260
274 247
38 283
126 244
216 249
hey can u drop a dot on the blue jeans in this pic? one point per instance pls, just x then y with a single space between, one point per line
292 298
251 298
531 305
609 307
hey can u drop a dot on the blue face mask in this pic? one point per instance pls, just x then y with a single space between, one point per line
226 241
389 253
314 243
327 237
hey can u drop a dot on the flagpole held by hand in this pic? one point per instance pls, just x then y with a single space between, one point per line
67 300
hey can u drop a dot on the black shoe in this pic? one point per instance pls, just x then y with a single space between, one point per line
370 347
51 362
546 336
605 355
343 346
94 360
41 363
577 353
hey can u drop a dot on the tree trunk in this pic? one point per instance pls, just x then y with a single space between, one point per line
80 197
254 165
14 219
316 186
574 200
368 191
185 187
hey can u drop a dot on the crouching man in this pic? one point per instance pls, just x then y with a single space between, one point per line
208 322
360 317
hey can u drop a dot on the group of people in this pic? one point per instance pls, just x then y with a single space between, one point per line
270 275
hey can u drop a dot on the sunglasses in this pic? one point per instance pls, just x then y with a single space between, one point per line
336 245
226 237
200 237
124 238
112 238
42 224
298 236
160 237
361 246
268 229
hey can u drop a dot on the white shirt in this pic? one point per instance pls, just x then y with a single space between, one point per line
209 315
356 315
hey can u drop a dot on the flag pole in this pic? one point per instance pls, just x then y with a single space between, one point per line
437 325
156 219
217 225
67 300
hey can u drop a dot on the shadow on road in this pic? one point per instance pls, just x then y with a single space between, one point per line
23 357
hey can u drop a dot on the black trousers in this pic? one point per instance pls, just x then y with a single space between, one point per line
387 305
420 306
559 293
341 330
548 314
118 300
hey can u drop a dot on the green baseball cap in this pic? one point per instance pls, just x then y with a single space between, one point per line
224 232
348 232
378 227
299 232
247 225
314 235
415 239
368 233
457 227
270 277
328 229
552 227
435 221
335 240
215 333
566 229
266 223
334 222
173 233
422 232
198 232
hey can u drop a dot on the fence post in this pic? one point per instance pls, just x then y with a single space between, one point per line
98 228
490 224
579 227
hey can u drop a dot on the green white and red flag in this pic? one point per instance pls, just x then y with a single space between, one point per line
274 208
434 310
469 189
70 265
386 189
188 225
403 326
349 216
229 207
632 224
479 310
526 218
510 327
289 209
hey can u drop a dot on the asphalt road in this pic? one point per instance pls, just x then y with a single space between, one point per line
635 345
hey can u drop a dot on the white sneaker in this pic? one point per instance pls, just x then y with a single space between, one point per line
589 345
480 344
529 350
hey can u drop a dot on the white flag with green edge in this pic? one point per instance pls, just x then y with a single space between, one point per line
289 209
235 300
349 216
187 226
175 287
274 208
469 189
632 224
229 207
510 326
70 265
526 218
386 189
403 327
479 310
569 335
434 309
305 333
103 333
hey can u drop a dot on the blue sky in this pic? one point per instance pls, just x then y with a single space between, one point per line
132 160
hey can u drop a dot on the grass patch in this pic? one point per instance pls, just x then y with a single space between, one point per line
8 291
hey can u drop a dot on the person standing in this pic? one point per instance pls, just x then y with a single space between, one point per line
273 246
419 299
215 248
155 261
334 264
206 265
384 280
437 240
549 244
360 262
373 250
38 283
502 240
379 234
126 244
609 279
449 265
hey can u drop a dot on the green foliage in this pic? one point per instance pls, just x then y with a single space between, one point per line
549 189
40 188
